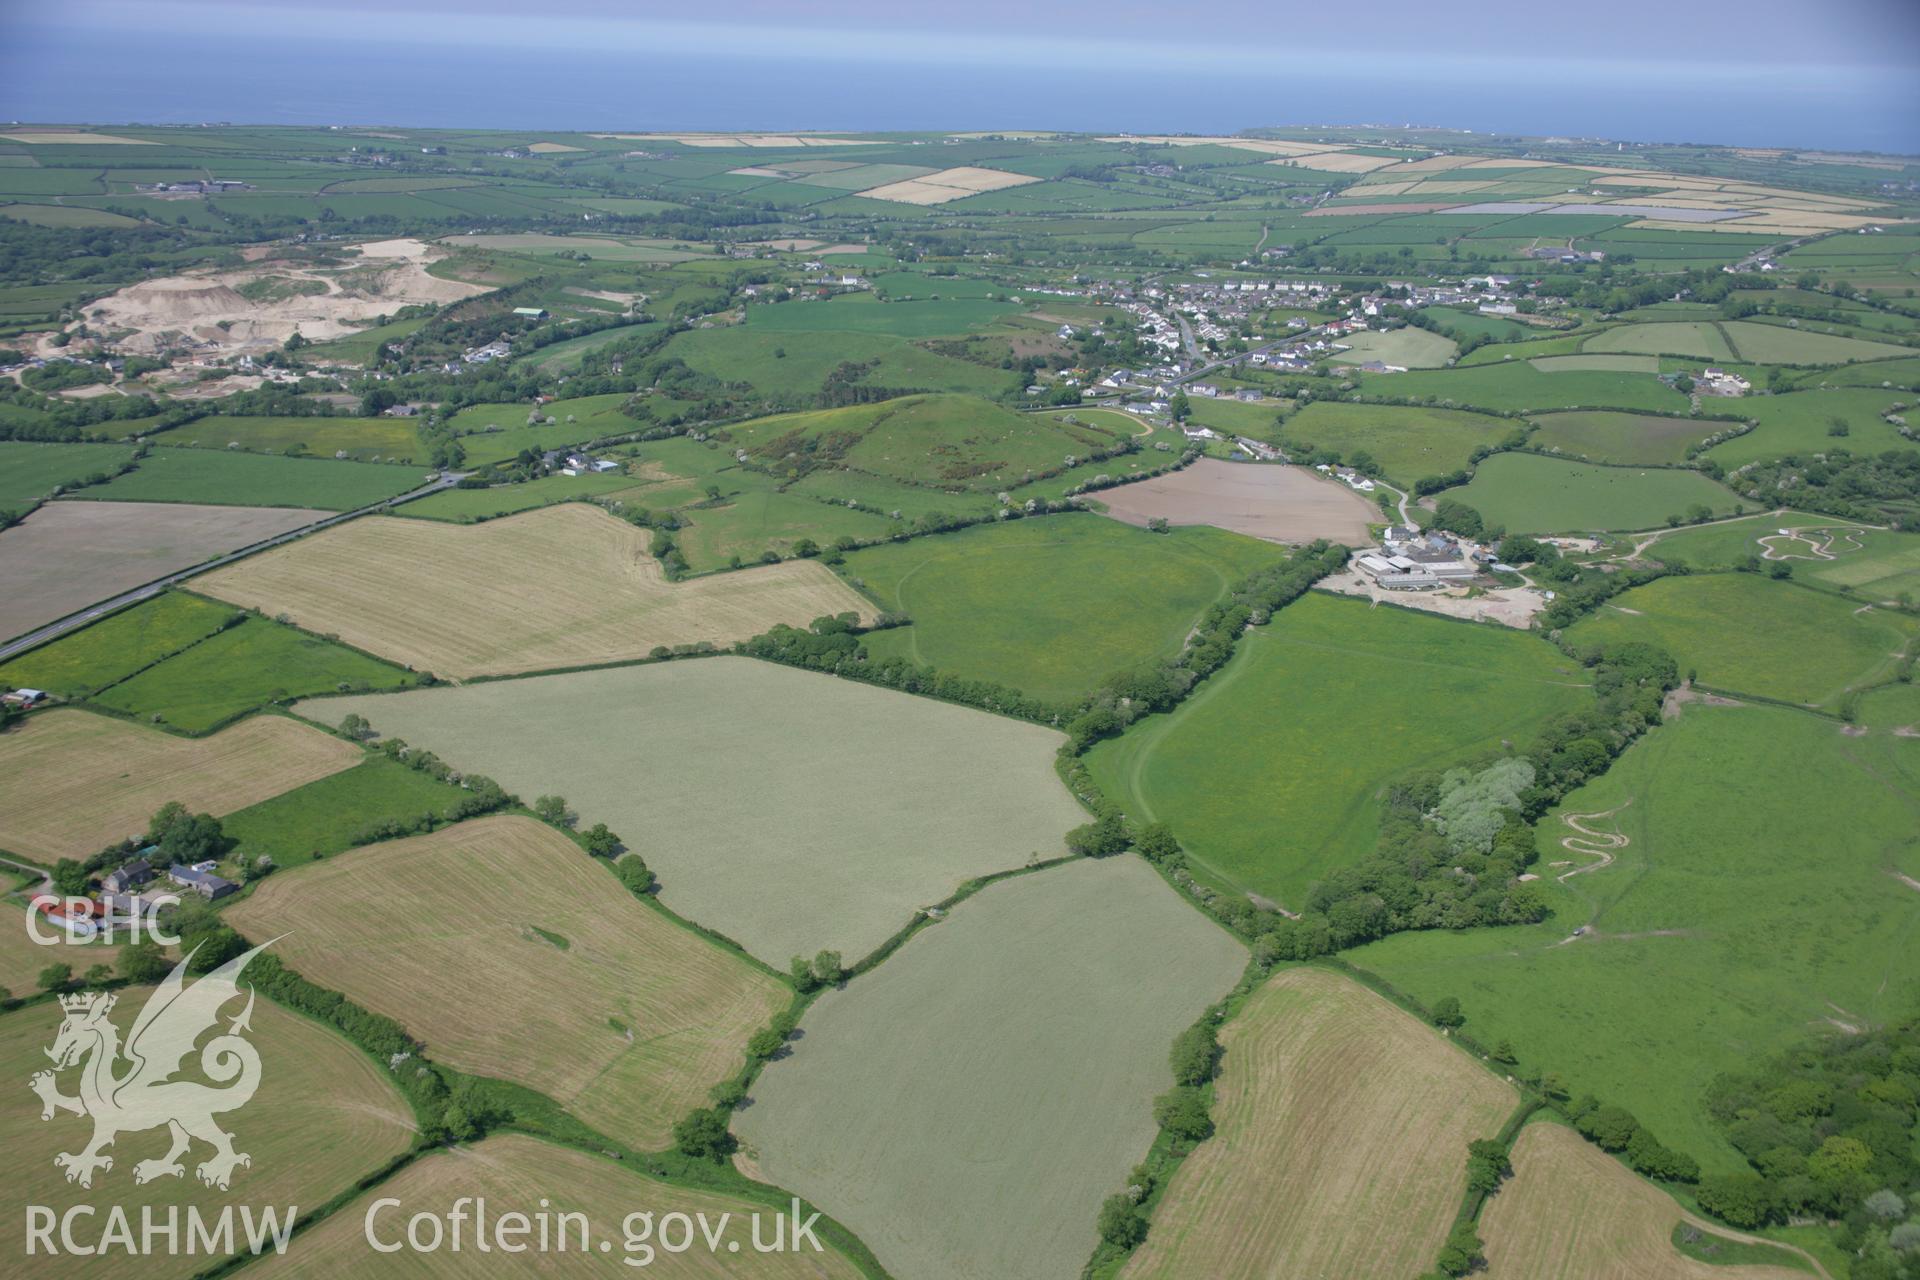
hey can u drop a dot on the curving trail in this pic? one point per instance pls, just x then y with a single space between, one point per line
1819 544
1599 845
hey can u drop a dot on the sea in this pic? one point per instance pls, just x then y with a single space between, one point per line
211 77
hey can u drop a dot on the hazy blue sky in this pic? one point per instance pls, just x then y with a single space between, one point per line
1801 72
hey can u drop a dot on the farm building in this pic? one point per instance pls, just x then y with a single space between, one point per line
531 313
201 880
130 876
24 697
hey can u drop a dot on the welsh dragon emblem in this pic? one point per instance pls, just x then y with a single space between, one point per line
144 1094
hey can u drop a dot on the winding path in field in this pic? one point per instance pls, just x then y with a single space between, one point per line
1587 842
1816 550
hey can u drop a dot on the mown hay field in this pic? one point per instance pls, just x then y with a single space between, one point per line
1754 837
324 1116
1269 773
966 1106
628 1020
517 1173
1410 348
23 960
1277 504
1336 1113
840 809
1745 633
1051 606
72 782
1528 493
1573 1212
68 555
562 586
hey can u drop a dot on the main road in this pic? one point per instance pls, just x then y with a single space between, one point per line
73 621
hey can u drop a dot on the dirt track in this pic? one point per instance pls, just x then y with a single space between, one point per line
1587 842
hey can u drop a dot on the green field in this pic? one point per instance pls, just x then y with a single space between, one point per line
363 347
999 1068
324 817
862 313
1625 439
358 439
257 480
498 432
942 441
247 666
1802 423
1716 938
1270 773
30 472
117 646
1746 634
1408 443
1050 606
864 805
1518 386
791 364
565 355
1777 344
1703 340
752 521
1527 493
1596 364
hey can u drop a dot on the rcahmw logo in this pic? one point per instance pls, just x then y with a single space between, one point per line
131 1088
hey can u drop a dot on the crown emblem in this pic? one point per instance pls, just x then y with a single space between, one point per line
84 1001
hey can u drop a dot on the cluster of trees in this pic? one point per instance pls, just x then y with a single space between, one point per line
1615 1129
1578 589
176 835
1421 877
1882 487
1829 1130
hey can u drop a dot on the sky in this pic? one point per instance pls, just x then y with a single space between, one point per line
1833 73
